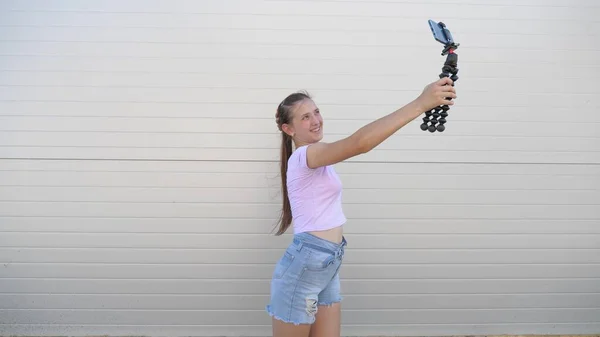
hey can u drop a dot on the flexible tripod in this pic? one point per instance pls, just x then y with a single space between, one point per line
431 122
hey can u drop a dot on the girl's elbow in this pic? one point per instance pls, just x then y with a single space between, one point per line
363 145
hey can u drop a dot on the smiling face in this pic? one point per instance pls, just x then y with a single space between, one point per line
306 123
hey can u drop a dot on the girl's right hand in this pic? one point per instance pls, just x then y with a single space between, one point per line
436 94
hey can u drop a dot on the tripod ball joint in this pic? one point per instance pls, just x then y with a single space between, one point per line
435 119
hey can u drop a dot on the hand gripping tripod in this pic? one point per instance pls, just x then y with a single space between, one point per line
431 122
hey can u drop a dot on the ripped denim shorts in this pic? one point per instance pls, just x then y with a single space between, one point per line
306 276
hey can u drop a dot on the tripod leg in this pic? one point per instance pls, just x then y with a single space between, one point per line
431 122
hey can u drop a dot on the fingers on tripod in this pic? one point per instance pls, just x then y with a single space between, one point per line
445 81
449 92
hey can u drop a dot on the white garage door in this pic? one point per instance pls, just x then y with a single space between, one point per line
139 176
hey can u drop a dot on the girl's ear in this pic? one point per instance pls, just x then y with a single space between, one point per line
288 129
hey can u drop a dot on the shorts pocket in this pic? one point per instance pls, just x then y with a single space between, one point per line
283 265
318 261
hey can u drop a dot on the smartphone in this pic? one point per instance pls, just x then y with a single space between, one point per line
440 32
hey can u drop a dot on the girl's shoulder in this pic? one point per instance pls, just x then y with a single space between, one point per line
298 158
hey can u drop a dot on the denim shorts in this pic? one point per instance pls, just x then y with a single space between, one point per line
306 276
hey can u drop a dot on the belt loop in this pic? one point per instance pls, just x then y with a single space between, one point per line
299 244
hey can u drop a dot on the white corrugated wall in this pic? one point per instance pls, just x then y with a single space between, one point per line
139 180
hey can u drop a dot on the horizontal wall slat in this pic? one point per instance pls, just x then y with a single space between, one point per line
273 195
272 180
348 329
234 155
256 302
269 256
405 9
264 271
262 111
229 155
527 3
169 81
264 241
189 20
267 127
368 211
295 37
272 168
291 67
197 141
71 224
91 285
426 54
249 317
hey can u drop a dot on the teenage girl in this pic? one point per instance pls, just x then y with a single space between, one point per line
305 286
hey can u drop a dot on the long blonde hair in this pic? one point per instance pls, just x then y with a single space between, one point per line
284 116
